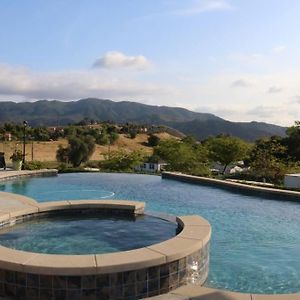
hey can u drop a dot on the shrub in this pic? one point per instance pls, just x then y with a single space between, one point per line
33 165
17 156
153 140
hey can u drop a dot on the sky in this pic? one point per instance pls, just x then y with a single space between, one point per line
238 59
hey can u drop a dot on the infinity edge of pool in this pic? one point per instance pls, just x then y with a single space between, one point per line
217 193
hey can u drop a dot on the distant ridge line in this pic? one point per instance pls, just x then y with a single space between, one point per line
200 125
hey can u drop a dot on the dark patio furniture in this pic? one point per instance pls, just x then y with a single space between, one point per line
2 161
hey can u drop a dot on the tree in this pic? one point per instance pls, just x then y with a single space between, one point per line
183 157
226 149
62 154
70 131
107 137
121 160
292 141
189 140
113 137
102 138
132 134
267 160
153 140
40 134
79 150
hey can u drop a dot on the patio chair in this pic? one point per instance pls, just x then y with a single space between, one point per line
2 161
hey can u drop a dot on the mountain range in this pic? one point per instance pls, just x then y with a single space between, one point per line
200 125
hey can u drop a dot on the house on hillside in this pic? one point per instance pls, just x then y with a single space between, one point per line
150 167
233 168
292 181
7 136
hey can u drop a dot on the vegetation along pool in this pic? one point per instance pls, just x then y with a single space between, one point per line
255 241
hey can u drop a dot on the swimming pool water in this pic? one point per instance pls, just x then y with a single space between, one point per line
255 243
83 234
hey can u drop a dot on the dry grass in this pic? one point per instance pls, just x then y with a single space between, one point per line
46 151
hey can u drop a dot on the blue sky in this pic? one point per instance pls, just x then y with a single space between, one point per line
237 59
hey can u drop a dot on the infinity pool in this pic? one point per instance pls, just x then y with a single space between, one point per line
85 234
255 241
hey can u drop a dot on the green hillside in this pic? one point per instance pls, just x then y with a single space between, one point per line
201 125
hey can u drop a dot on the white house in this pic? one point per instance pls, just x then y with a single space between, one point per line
150 167
292 181
233 168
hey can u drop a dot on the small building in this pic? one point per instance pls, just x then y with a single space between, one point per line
233 168
55 129
144 129
7 136
292 181
150 167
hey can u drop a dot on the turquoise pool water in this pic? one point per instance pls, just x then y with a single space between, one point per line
82 234
255 242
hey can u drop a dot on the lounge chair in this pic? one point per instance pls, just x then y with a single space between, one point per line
2 161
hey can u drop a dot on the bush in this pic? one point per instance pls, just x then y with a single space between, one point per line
92 164
62 154
122 161
17 156
66 169
132 134
153 140
36 165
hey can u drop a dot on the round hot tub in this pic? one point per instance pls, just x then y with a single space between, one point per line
86 232
106 249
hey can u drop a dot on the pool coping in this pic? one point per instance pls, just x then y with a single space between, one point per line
10 174
240 187
166 265
196 232
192 292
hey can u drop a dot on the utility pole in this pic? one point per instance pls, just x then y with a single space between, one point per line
25 123
32 150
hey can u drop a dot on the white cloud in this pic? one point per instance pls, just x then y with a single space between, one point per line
29 85
263 111
116 59
294 100
247 57
284 114
201 6
247 103
192 8
218 96
240 83
261 58
279 113
279 49
274 90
